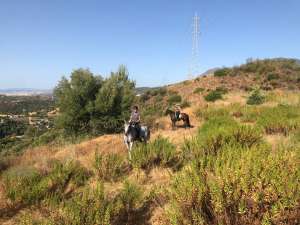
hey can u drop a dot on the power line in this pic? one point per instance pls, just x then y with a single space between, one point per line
194 65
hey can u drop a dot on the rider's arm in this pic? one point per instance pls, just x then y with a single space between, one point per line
138 119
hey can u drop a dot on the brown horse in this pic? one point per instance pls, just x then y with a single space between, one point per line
183 116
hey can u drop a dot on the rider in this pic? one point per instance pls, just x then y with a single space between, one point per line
135 119
177 111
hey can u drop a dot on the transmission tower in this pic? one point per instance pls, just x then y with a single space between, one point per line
194 66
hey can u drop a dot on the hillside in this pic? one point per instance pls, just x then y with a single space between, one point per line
239 164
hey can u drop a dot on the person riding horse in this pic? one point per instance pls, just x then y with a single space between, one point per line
178 111
135 119
133 131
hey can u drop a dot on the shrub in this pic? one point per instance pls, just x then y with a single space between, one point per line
159 152
24 184
198 90
219 132
272 76
256 98
174 98
130 198
88 207
213 96
150 113
110 166
237 186
222 90
222 72
27 185
211 112
280 119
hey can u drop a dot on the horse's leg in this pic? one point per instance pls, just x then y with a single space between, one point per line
184 123
174 125
130 148
126 142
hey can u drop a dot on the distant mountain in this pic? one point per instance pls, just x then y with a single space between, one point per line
25 91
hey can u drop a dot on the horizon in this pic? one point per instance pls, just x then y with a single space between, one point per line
42 41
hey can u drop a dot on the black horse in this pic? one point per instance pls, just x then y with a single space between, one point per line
183 116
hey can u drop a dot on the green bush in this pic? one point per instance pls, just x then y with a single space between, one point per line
174 98
198 90
130 198
151 112
219 132
237 186
272 76
256 98
280 119
159 152
222 72
211 112
28 186
222 90
88 207
110 166
213 96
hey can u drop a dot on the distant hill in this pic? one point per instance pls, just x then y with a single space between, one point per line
25 91
210 71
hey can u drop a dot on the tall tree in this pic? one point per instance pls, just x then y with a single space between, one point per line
88 103
75 98
113 101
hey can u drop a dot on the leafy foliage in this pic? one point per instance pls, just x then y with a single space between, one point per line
221 72
88 103
159 152
174 98
213 96
280 119
237 186
256 98
198 90
89 207
218 132
28 186
129 198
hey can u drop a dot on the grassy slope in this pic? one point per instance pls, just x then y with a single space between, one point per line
161 177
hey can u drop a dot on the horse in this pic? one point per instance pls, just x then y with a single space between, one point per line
183 116
131 135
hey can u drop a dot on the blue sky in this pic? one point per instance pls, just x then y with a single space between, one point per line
41 40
